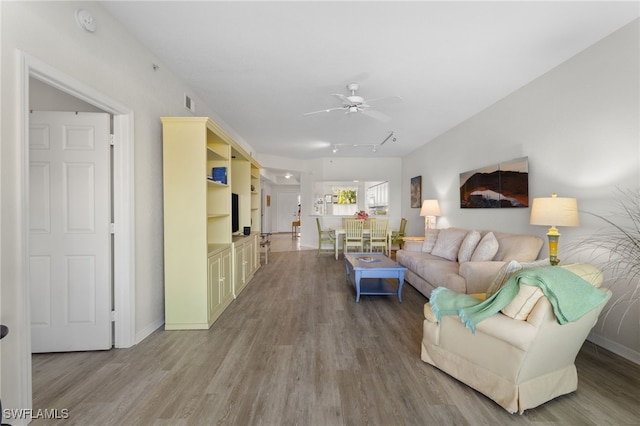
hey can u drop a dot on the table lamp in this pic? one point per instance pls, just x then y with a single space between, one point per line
554 211
430 209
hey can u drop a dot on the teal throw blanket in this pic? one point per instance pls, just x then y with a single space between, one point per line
570 296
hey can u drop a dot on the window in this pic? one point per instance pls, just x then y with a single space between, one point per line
347 201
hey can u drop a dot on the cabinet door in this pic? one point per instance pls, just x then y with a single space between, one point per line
256 253
239 268
226 284
213 286
249 258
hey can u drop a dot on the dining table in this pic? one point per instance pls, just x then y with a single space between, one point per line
339 231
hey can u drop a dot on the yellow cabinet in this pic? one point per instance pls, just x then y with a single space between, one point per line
246 252
202 168
219 280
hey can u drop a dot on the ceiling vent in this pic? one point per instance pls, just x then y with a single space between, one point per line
189 103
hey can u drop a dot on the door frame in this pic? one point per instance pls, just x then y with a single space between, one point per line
123 203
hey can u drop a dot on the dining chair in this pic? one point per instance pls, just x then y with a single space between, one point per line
378 235
397 237
353 234
326 239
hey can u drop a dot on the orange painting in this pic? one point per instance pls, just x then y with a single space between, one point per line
503 185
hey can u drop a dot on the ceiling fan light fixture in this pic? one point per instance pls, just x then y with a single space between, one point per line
354 103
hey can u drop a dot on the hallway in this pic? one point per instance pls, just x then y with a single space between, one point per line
283 241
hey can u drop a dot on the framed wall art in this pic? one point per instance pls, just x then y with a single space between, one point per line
416 191
502 185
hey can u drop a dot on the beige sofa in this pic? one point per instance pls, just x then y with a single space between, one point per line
519 363
465 261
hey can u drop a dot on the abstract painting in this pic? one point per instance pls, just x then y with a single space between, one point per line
416 191
502 185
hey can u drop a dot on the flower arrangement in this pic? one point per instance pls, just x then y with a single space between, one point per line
362 214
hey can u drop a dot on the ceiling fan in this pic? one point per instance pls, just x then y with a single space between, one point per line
354 103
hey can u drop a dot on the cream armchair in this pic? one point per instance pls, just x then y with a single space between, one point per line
520 364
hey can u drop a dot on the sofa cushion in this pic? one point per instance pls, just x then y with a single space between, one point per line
522 305
430 240
448 243
412 259
468 246
486 248
523 248
509 268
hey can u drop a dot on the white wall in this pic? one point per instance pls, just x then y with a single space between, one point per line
113 63
579 127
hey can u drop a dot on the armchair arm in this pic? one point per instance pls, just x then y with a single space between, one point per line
330 234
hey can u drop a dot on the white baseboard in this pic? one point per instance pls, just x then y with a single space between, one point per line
615 347
148 330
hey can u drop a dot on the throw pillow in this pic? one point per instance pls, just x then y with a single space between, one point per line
587 272
468 246
448 243
430 240
509 268
522 305
502 276
486 249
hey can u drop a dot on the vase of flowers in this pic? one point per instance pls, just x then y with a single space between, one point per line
362 215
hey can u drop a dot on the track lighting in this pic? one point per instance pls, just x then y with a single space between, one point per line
373 146
391 135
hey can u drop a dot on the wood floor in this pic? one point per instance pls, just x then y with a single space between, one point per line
296 349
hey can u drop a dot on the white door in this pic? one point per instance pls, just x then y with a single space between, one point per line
69 231
287 210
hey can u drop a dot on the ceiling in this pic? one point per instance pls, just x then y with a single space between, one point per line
262 65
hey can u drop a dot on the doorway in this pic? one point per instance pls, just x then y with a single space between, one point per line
288 210
123 207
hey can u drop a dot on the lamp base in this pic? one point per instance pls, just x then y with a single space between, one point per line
553 247
429 223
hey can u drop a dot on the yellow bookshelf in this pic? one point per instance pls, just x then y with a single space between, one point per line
200 251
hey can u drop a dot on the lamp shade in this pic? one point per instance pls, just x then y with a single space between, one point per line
554 211
430 208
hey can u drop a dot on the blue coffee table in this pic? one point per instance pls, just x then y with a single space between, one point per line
371 273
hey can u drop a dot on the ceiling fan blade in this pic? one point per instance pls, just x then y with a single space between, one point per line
343 98
386 100
376 114
322 110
